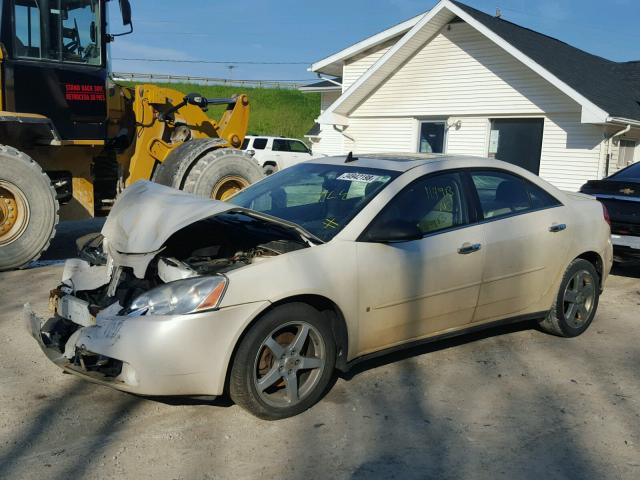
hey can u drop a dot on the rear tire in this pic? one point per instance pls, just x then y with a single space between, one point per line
284 363
29 212
576 302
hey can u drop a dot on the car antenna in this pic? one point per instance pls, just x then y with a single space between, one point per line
350 158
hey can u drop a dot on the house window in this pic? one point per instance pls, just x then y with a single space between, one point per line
432 137
625 153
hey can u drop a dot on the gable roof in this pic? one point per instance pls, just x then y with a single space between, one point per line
332 65
602 87
608 84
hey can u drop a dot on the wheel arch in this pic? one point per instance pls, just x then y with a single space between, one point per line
324 305
595 259
272 163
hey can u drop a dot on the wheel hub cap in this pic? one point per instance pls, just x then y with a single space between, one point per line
289 364
579 298
228 186
14 212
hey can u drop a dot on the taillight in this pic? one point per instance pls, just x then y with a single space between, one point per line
605 213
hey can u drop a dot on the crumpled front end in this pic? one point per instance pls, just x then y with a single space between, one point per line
147 355
109 323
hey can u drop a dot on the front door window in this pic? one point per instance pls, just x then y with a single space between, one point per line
69 31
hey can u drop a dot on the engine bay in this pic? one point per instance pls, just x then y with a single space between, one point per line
212 246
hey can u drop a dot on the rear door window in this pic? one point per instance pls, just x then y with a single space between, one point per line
259 143
280 145
502 194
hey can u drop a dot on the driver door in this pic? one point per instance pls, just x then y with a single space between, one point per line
412 289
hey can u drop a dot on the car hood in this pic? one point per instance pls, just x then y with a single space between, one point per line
146 214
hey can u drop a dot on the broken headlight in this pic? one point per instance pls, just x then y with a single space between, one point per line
182 296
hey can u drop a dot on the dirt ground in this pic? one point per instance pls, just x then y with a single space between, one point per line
507 403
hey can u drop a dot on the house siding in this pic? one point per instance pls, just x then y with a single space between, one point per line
572 153
330 141
461 72
356 66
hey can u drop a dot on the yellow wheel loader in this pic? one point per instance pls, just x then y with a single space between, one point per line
71 138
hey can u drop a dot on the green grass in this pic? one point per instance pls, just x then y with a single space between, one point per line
277 112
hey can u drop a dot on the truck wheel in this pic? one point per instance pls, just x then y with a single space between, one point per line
219 174
28 209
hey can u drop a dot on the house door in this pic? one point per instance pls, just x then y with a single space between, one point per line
517 141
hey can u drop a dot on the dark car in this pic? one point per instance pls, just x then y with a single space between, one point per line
620 193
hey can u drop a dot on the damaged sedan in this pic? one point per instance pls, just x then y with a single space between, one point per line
324 264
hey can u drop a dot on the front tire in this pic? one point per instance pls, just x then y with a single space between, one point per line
220 174
28 209
576 302
284 363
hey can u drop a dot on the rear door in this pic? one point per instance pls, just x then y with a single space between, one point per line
526 243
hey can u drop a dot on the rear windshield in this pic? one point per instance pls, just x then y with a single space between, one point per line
320 198
632 171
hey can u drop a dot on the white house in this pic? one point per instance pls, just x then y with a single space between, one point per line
459 81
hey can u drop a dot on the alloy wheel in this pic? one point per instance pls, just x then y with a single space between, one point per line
289 364
579 298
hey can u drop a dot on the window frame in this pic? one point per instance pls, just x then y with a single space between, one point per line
284 142
253 143
478 203
467 190
292 141
102 13
445 135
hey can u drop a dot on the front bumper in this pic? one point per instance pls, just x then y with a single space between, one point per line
150 355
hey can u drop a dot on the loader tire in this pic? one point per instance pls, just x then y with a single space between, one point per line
203 167
219 174
28 209
173 171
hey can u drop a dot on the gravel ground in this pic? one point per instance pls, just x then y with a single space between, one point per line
507 403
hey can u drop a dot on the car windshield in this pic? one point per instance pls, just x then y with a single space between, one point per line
632 171
320 198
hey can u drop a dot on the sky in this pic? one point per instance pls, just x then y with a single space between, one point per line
300 32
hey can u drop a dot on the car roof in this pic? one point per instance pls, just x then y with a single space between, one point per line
271 136
403 162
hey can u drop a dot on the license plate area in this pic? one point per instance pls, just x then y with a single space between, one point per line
76 310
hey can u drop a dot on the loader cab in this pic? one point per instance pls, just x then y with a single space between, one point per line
55 64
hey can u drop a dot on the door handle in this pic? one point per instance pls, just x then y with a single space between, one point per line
469 248
557 227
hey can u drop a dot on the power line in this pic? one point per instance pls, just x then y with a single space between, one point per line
176 60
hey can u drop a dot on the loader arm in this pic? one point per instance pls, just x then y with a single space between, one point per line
165 119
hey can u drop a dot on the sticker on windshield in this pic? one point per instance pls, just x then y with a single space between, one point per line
360 177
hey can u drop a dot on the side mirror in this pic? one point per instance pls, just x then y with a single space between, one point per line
125 8
251 152
393 231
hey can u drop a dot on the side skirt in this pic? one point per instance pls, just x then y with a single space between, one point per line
444 336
